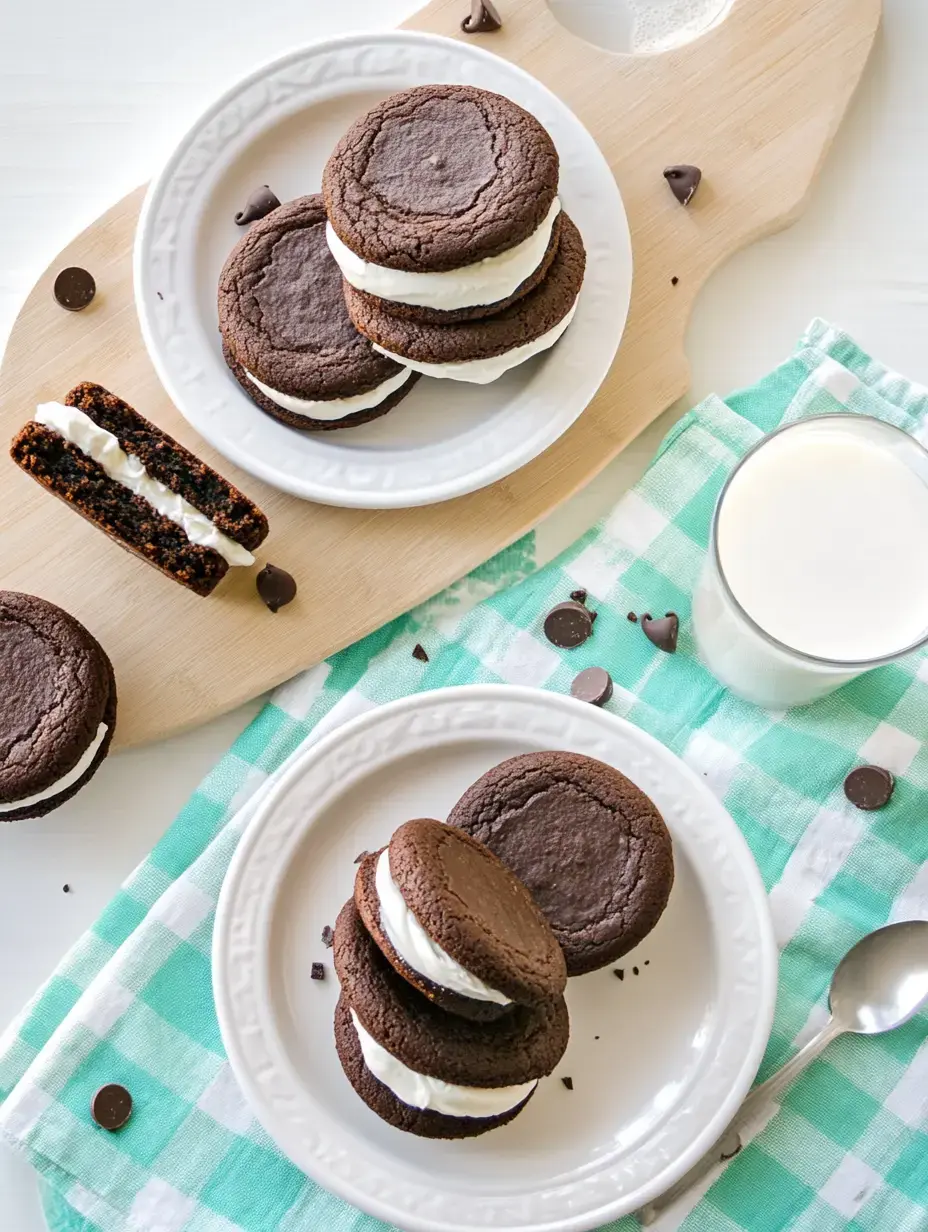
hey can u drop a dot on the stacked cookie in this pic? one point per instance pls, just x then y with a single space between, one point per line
451 1005
445 222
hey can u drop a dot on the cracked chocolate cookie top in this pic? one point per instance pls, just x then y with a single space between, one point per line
440 176
56 688
591 847
282 314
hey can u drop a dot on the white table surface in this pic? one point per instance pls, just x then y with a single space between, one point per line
92 97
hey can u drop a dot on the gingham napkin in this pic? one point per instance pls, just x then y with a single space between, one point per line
132 1003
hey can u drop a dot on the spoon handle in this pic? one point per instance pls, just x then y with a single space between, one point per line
729 1143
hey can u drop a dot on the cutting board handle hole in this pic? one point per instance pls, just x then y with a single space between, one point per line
639 27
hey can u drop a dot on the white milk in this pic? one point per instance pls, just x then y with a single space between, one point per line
822 536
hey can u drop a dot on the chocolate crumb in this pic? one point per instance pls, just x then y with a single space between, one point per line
328 936
674 280
317 972
619 972
634 970
647 962
482 19
160 296
568 1083
578 596
595 1037
632 617
593 616
66 889
419 652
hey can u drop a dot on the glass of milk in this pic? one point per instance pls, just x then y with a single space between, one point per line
817 567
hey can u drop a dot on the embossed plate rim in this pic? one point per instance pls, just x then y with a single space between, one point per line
543 401
327 1150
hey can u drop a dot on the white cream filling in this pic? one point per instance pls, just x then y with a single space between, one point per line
127 469
481 282
416 947
334 408
483 371
418 1091
66 780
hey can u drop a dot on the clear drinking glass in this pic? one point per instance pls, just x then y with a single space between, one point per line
748 658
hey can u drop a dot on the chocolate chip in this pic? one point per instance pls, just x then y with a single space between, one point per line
674 280
568 624
632 617
66 889
276 587
595 1037
111 1107
258 205
482 19
619 972
358 858
662 632
317 972
647 962
683 181
578 596
328 936
593 616
593 685
869 787
568 1083
74 288
634 970
419 652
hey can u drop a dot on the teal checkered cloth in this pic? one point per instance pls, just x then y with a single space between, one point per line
132 1003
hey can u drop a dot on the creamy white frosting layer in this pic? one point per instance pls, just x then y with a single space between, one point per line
128 470
483 371
418 1091
334 408
66 780
482 282
416 947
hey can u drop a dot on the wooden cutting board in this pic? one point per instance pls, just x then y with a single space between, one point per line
755 103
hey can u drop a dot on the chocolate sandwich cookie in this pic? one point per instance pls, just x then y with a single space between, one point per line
591 847
57 706
480 351
140 486
287 336
443 198
452 919
422 1069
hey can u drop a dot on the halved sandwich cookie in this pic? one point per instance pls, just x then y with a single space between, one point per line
452 919
140 486
286 333
426 1071
480 351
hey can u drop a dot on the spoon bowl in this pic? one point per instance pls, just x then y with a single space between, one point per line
883 980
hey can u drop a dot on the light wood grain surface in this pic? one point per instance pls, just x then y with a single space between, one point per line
755 103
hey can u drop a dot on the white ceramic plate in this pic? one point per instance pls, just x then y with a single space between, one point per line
677 1046
278 126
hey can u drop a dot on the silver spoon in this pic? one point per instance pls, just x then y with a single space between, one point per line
878 985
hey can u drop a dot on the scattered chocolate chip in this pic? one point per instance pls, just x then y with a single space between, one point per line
683 181
276 587
568 624
258 205
595 1037
663 631
568 1083
328 936
74 288
632 617
360 856
674 280
593 616
578 596
111 1107
317 972
647 962
869 787
482 19
66 889
419 652
634 970
593 685
619 972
